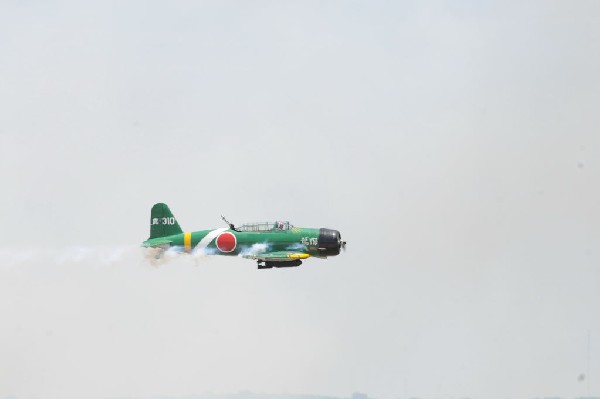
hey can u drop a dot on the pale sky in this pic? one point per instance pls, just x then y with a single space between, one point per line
455 145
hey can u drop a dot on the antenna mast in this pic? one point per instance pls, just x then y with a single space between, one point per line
231 226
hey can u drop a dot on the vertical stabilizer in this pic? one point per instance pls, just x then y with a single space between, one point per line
162 222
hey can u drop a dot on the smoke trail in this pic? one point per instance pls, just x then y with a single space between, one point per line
11 258
255 249
200 253
296 247
159 256
115 255
103 256
75 255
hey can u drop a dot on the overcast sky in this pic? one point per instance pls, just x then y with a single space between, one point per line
455 145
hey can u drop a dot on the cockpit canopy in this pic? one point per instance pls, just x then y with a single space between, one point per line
265 226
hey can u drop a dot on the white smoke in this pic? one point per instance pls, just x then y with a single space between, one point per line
114 255
76 255
202 252
102 256
160 256
296 247
254 249
12 258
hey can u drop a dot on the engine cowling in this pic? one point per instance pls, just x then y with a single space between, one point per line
330 242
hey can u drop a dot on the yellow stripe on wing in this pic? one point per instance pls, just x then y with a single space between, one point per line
298 256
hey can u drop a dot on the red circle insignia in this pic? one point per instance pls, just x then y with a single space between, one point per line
226 242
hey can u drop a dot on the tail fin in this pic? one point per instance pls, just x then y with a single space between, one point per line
162 222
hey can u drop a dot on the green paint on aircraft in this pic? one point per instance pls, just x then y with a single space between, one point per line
271 244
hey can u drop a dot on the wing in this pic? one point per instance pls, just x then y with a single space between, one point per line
278 256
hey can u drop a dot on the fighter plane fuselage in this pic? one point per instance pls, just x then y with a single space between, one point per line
278 244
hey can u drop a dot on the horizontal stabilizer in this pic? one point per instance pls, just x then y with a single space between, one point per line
156 242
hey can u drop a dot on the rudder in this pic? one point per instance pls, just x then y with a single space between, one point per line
162 222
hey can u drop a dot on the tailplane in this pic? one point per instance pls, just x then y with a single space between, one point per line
162 222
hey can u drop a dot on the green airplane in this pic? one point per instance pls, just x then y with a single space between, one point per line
277 244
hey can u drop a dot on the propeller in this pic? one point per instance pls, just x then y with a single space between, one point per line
341 243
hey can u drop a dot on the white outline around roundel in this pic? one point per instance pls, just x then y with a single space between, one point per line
234 242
